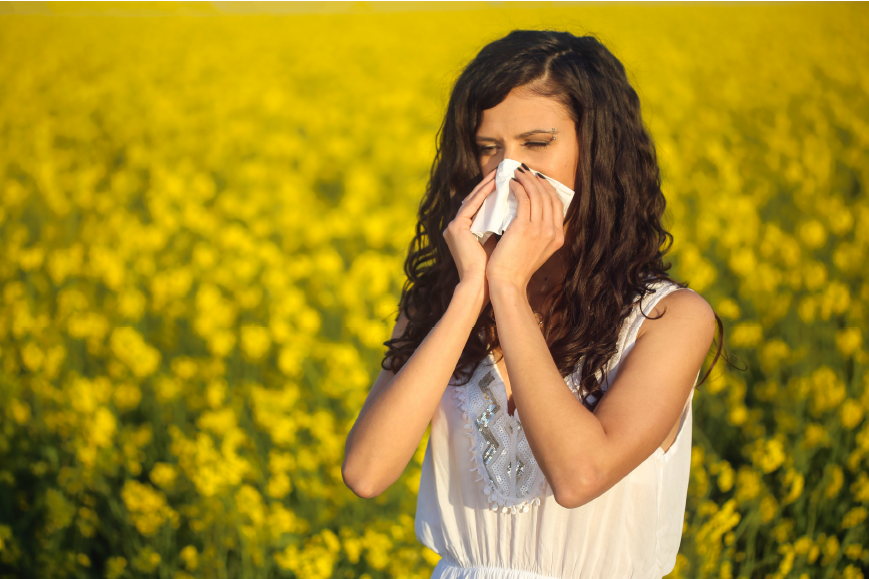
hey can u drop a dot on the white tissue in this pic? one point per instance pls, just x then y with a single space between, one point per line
499 208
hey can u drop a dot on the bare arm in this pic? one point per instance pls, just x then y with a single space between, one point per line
400 406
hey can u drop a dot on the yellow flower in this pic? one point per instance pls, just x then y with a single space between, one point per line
163 475
768 509
773 353
167 388
830 548
796 481
835 484
849 340
131 304
815 434
115 567
130 348
147 560
102 428
746 334
147 507
60 511
828 390
32 356
768 455
218 421
851 413
807 309
20 410
726 477
783 531
860 488
854 517
815 275
255 341
126 396
802 545
215 392
184 367
738 415
190 556
835 300
812 233
249 504
748 484
279 486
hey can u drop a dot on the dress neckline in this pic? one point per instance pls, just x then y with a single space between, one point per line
502 391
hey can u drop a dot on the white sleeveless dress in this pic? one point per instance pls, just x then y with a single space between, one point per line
486 508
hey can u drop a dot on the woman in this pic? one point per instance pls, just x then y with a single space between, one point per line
539 321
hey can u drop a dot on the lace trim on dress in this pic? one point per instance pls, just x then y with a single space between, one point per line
497 438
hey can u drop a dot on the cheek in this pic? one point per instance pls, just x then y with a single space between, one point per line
561 168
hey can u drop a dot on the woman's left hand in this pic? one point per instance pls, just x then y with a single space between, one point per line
532 237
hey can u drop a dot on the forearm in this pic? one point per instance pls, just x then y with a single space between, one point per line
386 435
562 433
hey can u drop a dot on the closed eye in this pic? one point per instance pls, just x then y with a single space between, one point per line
534 145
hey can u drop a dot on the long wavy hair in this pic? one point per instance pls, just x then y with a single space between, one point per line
613 243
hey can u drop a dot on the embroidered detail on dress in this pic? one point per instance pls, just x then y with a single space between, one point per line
483 421
497 444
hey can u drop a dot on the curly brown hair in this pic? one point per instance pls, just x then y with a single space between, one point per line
611 259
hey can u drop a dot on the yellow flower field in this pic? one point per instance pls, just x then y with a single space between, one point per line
204 221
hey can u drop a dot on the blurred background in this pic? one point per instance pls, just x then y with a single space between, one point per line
204 217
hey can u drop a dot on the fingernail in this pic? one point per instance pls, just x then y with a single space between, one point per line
541 176
515 179
526 166
519 169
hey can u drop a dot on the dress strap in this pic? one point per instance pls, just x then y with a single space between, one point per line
646 305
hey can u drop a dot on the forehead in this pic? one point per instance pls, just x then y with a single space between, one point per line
521 107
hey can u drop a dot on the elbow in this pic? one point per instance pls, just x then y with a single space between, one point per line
357 484
569 501
579 489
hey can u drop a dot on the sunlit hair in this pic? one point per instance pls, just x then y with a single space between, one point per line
613 242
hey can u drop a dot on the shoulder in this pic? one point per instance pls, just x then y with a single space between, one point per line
682 310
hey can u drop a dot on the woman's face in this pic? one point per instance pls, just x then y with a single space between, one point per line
520 128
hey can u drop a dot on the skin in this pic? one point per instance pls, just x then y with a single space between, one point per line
643 404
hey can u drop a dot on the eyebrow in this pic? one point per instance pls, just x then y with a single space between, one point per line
523 135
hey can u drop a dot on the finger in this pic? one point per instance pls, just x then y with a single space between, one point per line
555 208
545 203
472 204
486 179
523 207
534 197
557 203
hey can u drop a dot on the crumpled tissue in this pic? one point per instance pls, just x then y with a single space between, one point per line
499 208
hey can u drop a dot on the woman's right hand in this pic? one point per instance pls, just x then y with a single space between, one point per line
470 256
